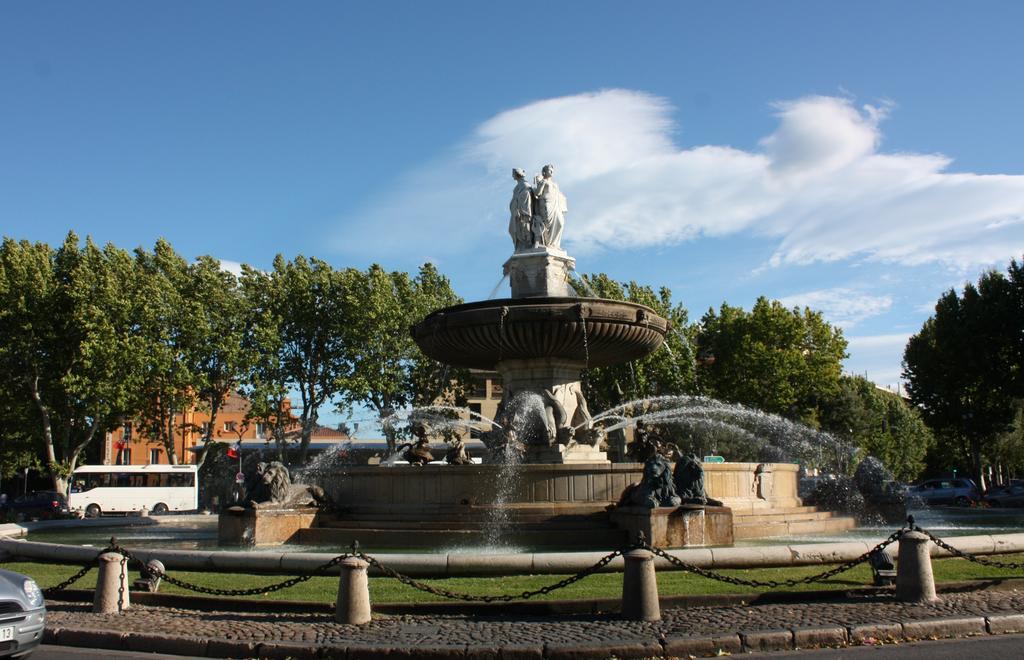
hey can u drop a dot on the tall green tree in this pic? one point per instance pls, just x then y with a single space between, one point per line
963 367
880 423
68 345
166 320
301 329
669 370
779 360
389 372
214 339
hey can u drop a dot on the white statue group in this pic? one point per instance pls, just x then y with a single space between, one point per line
538 211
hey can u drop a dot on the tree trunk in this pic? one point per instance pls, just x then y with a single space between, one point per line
172 452
976 468
215 402
59 482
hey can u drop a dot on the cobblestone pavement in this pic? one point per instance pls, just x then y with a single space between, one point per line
260 633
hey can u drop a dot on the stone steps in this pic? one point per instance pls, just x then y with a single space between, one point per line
552 524
772 516
439 538
766 529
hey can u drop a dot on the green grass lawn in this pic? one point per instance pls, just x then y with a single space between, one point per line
605 585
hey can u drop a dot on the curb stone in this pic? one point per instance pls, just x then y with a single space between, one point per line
767 640
804 638
699 646
1006 623
231 648
951 627
521 652
293 650
603 650
166 643
91 638
879 631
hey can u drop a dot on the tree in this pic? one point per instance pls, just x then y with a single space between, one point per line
880 424
389 371
669 370
301 329
68 346
214 339
963 367
166 320
779 360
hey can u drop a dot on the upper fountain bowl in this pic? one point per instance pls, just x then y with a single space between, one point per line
593 332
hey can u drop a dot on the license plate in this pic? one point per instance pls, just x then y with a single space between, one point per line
6 634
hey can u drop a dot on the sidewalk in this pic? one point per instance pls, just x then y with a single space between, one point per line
698 631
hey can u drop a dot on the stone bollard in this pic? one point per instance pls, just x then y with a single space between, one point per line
111 584
914 580
353 593
640 587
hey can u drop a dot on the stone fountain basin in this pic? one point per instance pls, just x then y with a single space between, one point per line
591 331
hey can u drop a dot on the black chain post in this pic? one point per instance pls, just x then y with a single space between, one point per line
120 584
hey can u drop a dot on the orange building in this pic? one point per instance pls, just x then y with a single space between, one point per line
127 446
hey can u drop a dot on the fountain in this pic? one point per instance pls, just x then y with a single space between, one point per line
547 482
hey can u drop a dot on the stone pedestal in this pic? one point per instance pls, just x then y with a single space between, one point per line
677 526
540 273
640 587
242 526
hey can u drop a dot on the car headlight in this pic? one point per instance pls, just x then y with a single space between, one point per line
32 592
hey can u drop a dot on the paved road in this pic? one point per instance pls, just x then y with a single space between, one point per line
997 647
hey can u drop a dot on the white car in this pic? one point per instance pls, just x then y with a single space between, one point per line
22 614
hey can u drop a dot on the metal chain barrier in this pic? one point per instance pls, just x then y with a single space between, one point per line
819 577
962 554
455 595
641 544
49 591
255 591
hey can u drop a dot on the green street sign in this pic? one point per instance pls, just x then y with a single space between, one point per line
714 459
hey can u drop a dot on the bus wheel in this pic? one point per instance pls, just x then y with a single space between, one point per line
160 508
92 511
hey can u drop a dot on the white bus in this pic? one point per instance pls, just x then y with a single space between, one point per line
99 489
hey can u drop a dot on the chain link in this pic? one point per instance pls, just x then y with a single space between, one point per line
255 591
49 591
819 577
561 584
456 595
963 554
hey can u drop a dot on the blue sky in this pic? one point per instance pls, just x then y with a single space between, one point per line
858 157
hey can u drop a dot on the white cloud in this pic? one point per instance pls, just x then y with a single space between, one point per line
841 306
819 186
878 358
233 267
879 342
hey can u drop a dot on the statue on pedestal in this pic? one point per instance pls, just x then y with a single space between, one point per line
536 213
520 223
549 210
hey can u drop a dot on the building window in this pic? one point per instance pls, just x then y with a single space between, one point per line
205 429
126 432
261 430
229 427
474 408
154 456
125 457
495 389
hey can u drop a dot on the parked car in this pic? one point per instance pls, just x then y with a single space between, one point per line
958 492
1010 496
22 614
39 505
